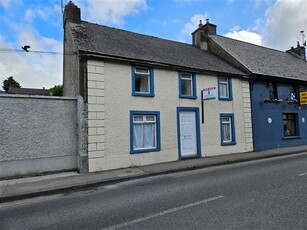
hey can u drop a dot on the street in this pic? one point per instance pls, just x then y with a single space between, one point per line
263 194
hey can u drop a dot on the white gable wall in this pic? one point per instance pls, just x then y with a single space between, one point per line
110 101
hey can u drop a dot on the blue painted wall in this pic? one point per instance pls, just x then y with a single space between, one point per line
271 135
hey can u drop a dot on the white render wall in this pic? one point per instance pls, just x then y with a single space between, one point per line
110 102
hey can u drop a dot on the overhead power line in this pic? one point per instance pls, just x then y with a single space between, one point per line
3 50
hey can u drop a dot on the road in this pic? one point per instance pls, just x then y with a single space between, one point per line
263 194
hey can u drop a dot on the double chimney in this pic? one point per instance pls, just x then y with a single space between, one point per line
200 35
298 51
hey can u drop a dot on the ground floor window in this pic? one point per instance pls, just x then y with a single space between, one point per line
290 124
227 129
144 131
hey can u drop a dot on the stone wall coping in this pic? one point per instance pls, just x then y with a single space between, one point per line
38 97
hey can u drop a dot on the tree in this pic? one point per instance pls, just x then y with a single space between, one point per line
10 82
56 90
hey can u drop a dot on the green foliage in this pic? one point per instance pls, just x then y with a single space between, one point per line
10 82
57 90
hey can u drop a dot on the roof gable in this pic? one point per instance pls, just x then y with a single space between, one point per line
263 61
111 42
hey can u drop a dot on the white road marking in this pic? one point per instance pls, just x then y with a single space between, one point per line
114 227
302 174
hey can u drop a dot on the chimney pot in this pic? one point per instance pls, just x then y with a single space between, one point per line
207 20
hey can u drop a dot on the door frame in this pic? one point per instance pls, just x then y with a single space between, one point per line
197 124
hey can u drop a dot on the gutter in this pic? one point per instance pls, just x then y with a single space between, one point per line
159 64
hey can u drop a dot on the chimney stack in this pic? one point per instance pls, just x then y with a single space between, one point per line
200 35
299 51
210 28
71 14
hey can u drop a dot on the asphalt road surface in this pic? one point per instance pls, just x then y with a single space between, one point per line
263 194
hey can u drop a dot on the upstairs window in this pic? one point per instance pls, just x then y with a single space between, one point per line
142 81
290 124
225 88
187 85
272 91
227 129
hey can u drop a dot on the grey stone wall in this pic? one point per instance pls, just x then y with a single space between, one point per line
37 134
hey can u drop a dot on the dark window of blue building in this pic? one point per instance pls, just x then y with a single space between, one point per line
272 91
290 124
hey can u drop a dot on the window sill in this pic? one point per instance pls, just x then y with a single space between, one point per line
272 100
142 95
144 151
187 97
291 137
228 143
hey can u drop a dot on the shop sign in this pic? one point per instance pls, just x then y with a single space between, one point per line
303 98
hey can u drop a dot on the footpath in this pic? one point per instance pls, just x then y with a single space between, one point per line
29 187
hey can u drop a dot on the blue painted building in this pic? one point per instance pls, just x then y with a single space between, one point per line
278 119
276 80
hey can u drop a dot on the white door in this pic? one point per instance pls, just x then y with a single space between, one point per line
188 142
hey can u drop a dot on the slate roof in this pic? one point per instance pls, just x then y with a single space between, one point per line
264 61
26 91
103 40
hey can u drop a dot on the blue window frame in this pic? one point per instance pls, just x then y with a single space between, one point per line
187 85
225 88
142 81
144 131
227 123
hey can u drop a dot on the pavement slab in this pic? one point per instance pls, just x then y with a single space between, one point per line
2 189
129 172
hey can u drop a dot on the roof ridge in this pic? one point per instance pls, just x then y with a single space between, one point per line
263 47
131 32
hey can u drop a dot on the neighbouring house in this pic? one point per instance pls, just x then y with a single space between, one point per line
150 100
27 91
277 79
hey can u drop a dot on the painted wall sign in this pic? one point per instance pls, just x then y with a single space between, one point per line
209 93
303 98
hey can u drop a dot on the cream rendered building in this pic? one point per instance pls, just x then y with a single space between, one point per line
144 97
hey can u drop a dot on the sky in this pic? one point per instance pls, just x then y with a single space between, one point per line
275 24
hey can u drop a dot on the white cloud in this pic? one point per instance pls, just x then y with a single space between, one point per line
285 19
280 29
7 3
42 12
111 11
244 35
32 70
